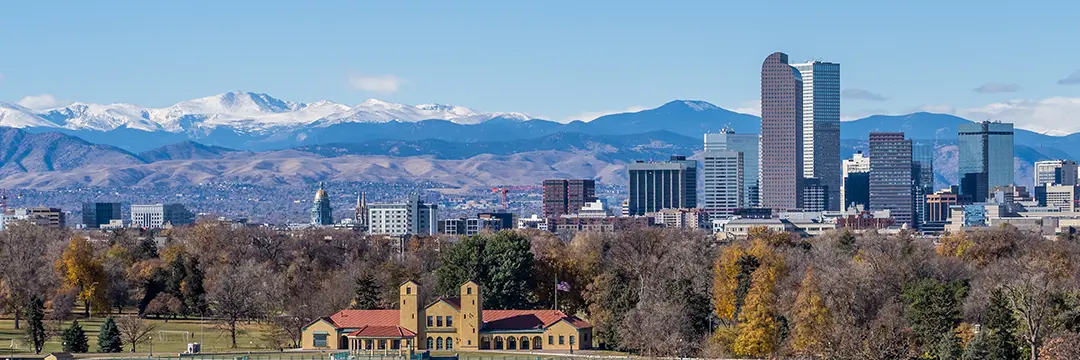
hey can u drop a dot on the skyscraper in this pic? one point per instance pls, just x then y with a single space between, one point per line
891 176
856 188
922 174
563 197
660 185
821 126
1055 172
722 175
321 214
985 159
781 134
749 145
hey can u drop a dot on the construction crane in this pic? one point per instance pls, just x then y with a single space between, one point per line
505 191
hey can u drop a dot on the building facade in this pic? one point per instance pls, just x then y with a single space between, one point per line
413 217
659 185
40 216
448 324
96 214
158 216
687 219
985 158
750 146
781 134
856 187
1055 172
922 175
938 205
561 197
361 214
891 176
815 195
321 213
821 126
722 181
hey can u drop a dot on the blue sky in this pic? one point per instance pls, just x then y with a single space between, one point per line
554 59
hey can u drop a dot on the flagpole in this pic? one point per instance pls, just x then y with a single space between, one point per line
556 293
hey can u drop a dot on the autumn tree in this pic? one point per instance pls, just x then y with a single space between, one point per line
758 324
811 317
25 268
164 305
134 330
82 271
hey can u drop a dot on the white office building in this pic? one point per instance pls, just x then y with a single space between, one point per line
1055 172
821 126
858 163
412 217
747 144
723 177
158 216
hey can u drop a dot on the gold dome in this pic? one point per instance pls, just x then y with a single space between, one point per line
321 194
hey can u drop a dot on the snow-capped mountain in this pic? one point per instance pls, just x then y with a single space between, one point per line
242 111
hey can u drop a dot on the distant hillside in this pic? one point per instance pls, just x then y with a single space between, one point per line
22 152
185 150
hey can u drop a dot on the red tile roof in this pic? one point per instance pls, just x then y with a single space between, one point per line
385 321
355 319
383 331
528 319
454 302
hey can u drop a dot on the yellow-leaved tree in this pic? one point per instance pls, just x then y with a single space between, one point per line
758 327
81 271
811 317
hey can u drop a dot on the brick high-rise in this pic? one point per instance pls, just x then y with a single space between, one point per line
563 197
781 134
891 176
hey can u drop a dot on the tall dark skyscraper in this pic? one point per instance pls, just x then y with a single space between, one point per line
96 214
891 176
660 185
821 127
563 197
922 174
985 158
781 134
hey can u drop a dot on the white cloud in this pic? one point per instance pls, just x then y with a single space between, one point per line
376 83
752 107
41 102
593 115
994 87
1055 116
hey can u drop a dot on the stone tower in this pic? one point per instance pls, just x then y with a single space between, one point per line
412 312
472 317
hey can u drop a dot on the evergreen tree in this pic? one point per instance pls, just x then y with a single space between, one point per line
977 348
175 276
933 309
502 261
35 332
367 293
109 337
193 294
147 248
74 339
1001 328
948 348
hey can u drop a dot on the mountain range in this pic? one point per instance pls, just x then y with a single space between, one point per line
254 137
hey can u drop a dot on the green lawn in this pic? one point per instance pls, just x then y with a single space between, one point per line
167 338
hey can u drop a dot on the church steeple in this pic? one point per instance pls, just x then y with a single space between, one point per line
362 211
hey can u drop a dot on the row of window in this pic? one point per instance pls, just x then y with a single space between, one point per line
438 321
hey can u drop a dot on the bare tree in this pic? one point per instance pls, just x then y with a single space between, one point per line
25 265
134 330
238 293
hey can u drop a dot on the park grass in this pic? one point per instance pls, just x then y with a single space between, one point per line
168 338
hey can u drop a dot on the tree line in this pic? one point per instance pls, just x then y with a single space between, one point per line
990 294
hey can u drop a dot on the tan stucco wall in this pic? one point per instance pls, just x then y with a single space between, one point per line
566 330
443 310
308 338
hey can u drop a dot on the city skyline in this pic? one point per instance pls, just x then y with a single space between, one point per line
637 67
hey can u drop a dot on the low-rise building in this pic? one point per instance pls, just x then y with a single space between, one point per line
41 216
412 217
447 324
159 216
681 218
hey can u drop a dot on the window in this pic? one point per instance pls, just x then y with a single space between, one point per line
562 340
430 321
430 343
468 290
438 344
571 339
320 340
449 344
408 290
551 340
438 321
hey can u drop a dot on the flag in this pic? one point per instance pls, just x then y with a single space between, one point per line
562 286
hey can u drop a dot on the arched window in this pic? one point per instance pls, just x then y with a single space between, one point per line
485 343
430 343
498 343
438 344
511 343
538 342
524 343
449 343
